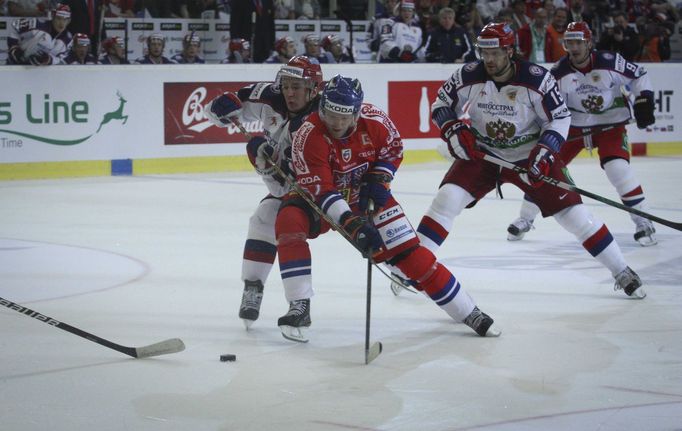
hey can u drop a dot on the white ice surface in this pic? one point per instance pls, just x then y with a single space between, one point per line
140 259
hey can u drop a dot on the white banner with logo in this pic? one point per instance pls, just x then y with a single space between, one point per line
64 113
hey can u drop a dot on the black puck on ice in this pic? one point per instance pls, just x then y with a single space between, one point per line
228 358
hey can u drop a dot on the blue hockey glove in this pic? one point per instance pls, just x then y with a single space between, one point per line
363 232
376 185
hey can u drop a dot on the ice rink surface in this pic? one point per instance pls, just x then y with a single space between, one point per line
140 259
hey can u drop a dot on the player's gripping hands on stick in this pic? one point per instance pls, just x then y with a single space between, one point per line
363 232
376 186
460 139
540 163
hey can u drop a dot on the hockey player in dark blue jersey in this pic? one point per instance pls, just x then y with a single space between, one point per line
191 47
517 113
156 43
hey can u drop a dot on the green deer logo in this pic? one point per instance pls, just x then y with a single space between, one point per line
115 115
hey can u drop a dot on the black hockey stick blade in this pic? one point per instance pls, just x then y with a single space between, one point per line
373 351
571 187
165 347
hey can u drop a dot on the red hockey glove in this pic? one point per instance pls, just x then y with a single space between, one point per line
540 162
220 109
407 57
460 139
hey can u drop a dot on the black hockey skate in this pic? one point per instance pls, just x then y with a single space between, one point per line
295 321
482 324
251 299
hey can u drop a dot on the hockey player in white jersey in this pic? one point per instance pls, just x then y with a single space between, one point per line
282 107
592 84
517 114
401 36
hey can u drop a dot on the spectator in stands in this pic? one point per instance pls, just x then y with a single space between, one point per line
284 9
3 7
285 49
32 41
582 11
85 18
426 15
156 43
167 8
379 23
240 26
519 17
654 39
119 8
28 8
114 51
620 38
80 51
334 50
311 44
448 43
533 38
238 51
488 10
401 37
505 15
555 35
307 9
191 46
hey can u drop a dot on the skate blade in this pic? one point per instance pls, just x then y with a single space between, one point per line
647 241
639 293
396 288
493 331
293 333
247 323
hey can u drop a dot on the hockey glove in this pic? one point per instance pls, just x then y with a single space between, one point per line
376 185
16 56
220 109
260 150
40 59
540 162
407 57
363 233
644 110
461 141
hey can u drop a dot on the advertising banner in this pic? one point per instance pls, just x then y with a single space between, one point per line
183 114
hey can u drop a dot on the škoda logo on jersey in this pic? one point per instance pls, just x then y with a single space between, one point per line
46 119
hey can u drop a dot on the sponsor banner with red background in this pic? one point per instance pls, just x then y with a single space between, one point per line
184 119
409 106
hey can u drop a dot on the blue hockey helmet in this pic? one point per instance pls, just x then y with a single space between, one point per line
342 95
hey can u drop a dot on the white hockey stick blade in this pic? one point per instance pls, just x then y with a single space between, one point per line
374 351
293 333
173 345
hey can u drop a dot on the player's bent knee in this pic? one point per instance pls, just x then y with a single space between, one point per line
418 264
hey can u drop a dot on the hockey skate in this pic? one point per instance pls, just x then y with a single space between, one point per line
482 324
518 229
399 284
295 321
644 233
629 281
251 299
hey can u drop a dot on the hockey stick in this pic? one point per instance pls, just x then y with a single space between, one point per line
572 188
298 189
165 347
370 352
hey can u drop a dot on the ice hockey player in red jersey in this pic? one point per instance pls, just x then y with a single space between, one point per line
517 114
592 84
344 156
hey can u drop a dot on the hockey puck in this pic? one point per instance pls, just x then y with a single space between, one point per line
228 358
